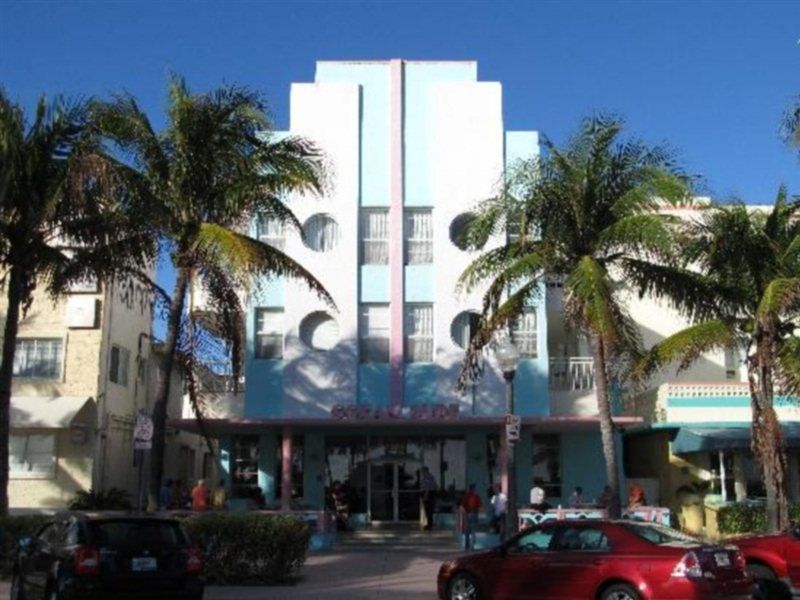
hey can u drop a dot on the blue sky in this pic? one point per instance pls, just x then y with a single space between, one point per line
710 78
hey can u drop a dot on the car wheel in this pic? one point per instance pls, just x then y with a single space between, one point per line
463 587
17 593
620 591
768 586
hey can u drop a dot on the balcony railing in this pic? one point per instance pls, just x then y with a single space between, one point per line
573 374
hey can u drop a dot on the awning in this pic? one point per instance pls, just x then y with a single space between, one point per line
712 439
59 412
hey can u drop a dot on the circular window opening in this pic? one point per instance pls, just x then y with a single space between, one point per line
464 327
319 331
458 232
321 233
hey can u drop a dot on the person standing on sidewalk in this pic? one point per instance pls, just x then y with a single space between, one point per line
499 504
471 504
427 490
200 496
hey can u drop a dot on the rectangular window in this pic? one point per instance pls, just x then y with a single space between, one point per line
373 328
38 358
244 466
418 232
32 456
547 464
419 333
269 333
118 369
374 236
271 231
524 334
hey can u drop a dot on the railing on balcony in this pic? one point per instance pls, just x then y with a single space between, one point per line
217 378
573 374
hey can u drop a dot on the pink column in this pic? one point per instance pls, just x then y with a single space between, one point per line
396 262
286 469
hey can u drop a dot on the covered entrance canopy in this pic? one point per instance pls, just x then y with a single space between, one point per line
56 412
712 439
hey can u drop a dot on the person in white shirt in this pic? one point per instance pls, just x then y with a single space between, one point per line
499 503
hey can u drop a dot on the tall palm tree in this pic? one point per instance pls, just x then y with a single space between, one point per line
586 214
752 261
214 168
55 189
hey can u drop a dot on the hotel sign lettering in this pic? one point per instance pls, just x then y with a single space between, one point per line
352 412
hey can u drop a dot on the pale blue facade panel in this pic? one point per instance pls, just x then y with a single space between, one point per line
419 131
531 395
582 464
374 284
420 284
373 385
264 395
373 77
420 384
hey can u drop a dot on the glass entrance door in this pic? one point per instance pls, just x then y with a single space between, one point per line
394 491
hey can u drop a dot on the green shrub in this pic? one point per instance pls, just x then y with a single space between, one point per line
11 530
110 499
748 518
242 548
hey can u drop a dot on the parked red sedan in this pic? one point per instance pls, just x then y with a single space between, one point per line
603 560
774 562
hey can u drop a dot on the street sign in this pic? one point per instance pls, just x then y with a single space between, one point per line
143 431
513 427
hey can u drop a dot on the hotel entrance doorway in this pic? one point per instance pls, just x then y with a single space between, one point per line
394 491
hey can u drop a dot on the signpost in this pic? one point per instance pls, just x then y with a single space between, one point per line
142 441
513 427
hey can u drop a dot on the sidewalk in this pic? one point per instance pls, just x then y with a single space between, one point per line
348 575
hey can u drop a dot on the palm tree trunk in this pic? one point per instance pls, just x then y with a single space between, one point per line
162 391
767 444
606 425
10 330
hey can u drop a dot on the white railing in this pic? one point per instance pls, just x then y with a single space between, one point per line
574 373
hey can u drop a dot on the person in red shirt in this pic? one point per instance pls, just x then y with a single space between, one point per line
471 504
200 496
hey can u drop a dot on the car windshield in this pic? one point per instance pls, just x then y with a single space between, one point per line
136 532
660 535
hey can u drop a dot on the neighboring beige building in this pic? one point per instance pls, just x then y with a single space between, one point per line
83 369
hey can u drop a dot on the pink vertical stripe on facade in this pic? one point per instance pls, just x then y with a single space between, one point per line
396 262
286 469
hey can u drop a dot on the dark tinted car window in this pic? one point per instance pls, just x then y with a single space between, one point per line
660 535
52 534
581 538
136 533
533 540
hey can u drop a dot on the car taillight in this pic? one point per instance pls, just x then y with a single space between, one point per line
194 560
689 566
87 560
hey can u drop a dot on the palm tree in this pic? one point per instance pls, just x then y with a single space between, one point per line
214 168
588 215
55 189
752 261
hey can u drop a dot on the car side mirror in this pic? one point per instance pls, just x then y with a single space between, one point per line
24 543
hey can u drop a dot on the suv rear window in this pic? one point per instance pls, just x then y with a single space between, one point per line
136 532
660 535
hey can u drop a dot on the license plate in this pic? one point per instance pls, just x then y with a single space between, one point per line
145 563
722 559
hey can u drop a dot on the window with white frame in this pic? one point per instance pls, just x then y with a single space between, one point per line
464 327
321 233
419 333
374 236
418 232
38 358
118 366
269 333
32 456
271 231
373 330
524 333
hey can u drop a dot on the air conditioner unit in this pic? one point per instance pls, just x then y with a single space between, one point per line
81 312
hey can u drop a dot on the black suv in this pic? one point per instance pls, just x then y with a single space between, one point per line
85 555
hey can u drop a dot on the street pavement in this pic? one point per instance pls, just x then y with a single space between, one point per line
348 574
